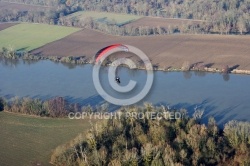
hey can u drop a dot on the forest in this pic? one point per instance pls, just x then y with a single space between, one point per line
221 17
146 141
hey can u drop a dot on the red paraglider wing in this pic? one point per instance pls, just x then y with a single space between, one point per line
106 49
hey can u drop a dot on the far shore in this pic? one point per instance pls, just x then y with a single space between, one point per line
83 61
210 52
165 52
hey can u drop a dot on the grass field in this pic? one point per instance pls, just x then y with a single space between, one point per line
26 140
162 22
133 20
106 17
31 36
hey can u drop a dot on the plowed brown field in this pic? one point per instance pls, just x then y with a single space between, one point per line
165 51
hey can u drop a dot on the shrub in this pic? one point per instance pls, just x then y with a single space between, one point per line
225 69
55 107
2 103
9 52
186 66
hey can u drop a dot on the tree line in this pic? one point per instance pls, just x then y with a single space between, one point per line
128 30
55 107
9 54
223 17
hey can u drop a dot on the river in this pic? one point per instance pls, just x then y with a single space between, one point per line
225 97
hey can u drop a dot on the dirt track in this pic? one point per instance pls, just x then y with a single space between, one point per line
6 25
165 51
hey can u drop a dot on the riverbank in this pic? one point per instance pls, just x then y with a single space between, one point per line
81 60
178 52
166 52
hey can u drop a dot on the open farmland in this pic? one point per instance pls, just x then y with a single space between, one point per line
30 36
27 140
165 51
162 22
6 25
22 6
120 19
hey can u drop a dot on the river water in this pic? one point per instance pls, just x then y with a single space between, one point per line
225 97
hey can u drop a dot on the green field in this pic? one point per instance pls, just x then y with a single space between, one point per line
105 16
31 36
26 140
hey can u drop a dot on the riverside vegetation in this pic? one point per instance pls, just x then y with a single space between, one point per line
56 107
9 53
143 141
12 54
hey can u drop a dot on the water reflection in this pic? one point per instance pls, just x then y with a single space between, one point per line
226 77
13 63
200 73
29 62
187 74
68 65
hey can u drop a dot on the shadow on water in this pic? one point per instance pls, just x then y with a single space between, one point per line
92 101
225 115
210 110
190 107
9 96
